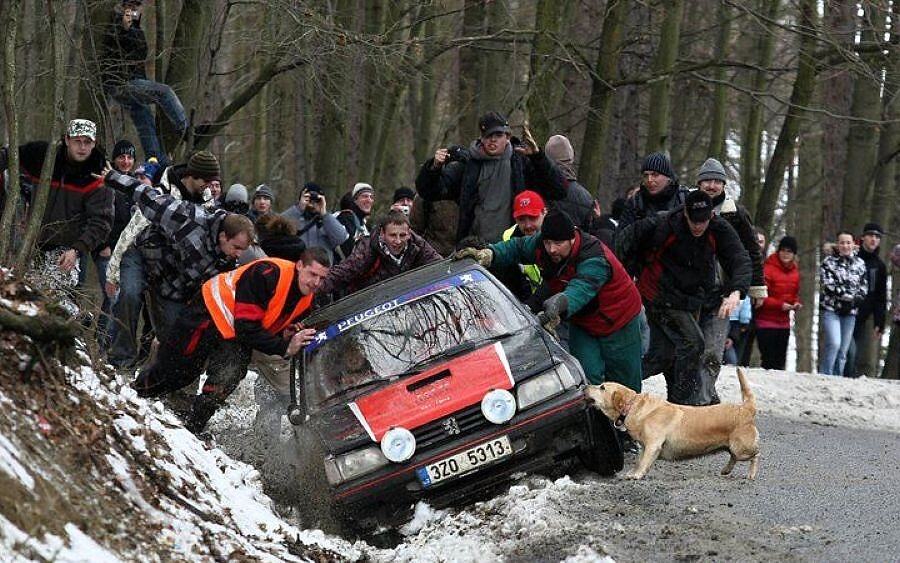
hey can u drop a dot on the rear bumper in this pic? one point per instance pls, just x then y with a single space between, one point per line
540 437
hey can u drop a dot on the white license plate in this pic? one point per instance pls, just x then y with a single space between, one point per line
463 462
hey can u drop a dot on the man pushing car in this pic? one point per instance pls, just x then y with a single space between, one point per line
589 286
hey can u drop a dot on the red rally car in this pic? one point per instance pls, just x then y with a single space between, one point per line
437 385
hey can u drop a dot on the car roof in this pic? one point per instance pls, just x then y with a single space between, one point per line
390 288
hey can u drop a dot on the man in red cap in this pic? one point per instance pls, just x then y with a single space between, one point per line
529 212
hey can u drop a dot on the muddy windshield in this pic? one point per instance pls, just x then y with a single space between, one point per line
401 336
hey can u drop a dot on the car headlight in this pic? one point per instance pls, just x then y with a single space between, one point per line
398 444
544 386
354 464
498 406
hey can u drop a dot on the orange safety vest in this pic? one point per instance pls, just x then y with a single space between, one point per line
219 291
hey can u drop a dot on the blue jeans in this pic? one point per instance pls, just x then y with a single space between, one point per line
838 332
103 324
136 96
127 310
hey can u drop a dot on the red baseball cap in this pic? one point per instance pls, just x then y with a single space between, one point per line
528 203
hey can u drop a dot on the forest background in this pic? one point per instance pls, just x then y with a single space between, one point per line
798 98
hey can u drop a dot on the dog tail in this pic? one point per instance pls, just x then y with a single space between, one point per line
746 394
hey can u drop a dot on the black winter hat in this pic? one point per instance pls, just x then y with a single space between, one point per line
312 187
123 147
788 243
698 206
404 192
658 162
557 226
873 229
493 122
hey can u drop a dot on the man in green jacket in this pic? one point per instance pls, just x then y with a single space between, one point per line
589 286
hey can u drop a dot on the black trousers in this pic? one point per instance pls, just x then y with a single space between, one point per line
773 344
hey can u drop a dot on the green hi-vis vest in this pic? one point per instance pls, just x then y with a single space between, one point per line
531 271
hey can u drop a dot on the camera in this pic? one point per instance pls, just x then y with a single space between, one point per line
457 153
315 197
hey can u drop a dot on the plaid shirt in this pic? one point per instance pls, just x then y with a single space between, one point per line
180 247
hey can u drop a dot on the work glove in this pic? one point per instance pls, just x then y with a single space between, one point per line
483 256
556 305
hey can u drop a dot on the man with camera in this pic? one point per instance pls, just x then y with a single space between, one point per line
125 79
315 226
486 177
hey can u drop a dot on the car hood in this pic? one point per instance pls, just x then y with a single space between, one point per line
341 427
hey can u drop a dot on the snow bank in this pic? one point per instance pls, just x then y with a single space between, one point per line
823 399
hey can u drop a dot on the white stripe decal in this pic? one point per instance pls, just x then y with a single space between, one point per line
501 353
362 420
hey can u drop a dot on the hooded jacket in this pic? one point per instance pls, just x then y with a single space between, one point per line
181 250
369 264
783 283
459 181
124 184
79 212
679 270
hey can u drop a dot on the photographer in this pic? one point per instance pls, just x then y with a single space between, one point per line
485 178
315 226
125 79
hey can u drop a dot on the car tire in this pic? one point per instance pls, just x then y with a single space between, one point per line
604 456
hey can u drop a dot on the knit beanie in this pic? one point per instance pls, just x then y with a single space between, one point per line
237 192
658 162
263 190
401 193
788 243
361 187
560 150
204 165
712 169
123 147
557 226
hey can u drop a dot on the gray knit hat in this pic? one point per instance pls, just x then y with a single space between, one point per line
203 165
712 169
263 190
237 192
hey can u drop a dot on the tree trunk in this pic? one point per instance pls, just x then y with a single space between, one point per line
467 104
666 54
591 166
863 135
11 12
716 146
751 141
805 214
840 28
544 84
884 196
801 95
42 194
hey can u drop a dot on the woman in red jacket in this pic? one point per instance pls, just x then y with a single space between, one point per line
773 318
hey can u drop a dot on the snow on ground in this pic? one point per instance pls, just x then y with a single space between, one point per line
859 403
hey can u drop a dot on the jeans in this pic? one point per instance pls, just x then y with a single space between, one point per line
103 324
676 349
127 310
838 334
136 96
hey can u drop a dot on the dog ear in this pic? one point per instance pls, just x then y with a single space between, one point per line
618 400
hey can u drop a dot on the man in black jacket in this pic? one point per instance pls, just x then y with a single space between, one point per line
485 178
865 340
659 191
125 79
679 285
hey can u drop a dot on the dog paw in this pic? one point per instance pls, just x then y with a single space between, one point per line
633 476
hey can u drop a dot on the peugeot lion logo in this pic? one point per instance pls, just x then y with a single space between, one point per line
451 427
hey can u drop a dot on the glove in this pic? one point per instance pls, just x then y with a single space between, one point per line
549 323
483 256
556 305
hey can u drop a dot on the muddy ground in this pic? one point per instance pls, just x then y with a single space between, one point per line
824 493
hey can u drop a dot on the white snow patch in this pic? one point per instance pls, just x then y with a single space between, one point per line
9 462
859 403
423 515
586 554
